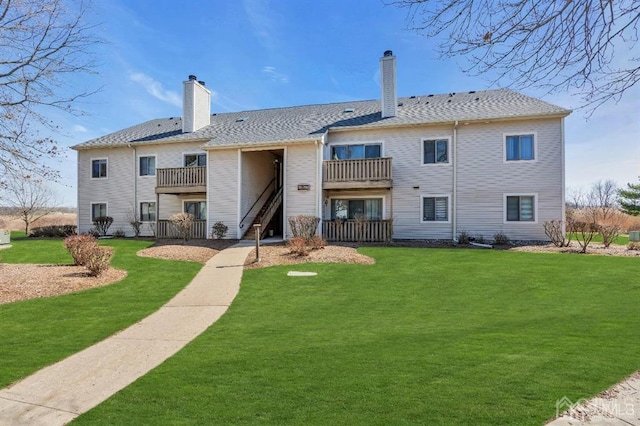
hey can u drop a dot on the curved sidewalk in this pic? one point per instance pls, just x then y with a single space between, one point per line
59 393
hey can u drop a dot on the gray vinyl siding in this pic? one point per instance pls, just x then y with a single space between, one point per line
301 167
222 188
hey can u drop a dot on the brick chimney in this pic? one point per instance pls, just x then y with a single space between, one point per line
196 105
388 76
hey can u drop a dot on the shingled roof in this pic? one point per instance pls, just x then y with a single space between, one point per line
310 122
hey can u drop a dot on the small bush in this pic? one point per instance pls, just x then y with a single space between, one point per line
500 239
479 239
183 223
79 247
119 233
634 245
464 237
98 259
219 230
553 230
53 231
317 242
102 224
298 246
304 226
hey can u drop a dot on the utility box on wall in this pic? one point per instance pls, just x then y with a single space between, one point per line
5 236
634 236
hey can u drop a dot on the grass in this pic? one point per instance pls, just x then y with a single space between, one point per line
38 332
428 336
621 239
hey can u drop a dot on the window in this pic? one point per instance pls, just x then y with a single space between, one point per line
519 147
344 209
197 208
147 166
435 151
521 208
193 160
352 152
435 209
99 168
147 212
98 210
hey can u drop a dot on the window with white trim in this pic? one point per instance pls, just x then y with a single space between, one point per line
521 208
197 208
98 210
520 147
195 160
148 212
369 208
356 151
99 168
435 151
147 166
435 209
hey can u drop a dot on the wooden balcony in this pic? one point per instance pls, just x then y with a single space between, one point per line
357 174
181 180
358 231
166 229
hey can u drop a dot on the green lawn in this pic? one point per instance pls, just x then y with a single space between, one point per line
35 333
424 336
621 239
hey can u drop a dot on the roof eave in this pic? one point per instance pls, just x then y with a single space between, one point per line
319 137
80 147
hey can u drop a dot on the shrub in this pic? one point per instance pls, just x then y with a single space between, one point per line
317 242
98 259
183 223
53 231
79 247
219 230
102 224
585 231
634 245
304 226
479 239
464 237
119 233
298 246
553 230
500 239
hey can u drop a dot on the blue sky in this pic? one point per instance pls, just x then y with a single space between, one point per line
257 54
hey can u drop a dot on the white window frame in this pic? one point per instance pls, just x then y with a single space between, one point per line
435 222
155 168
184 154
194 200
357 197
504 147
93 203
436 138
330 146
106 159
140 211
520 222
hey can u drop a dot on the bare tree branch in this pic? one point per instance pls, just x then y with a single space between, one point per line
581 45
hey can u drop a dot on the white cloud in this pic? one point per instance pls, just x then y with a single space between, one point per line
79 128
155 89
261 17
274 75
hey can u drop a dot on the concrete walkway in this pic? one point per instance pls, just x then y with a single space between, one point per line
59 393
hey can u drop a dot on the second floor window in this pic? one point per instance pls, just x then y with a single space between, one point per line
147 166
519 147
352 152
435 151
195 160
99 168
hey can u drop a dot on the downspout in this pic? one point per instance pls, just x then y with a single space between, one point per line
319 183
454 201
135 186
563 219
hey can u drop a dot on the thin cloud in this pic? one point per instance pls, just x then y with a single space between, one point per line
155 89
264 27
79 128
274 75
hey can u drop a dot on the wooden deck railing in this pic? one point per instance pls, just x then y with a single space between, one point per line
365 169
166 229
181 176
351 230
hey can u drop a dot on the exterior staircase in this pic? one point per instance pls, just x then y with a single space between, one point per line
265 214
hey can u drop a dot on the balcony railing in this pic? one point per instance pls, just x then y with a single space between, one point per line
360 173
191 179
166 229
358 231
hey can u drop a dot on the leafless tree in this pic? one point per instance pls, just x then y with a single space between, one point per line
30 198
585 45
43 46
